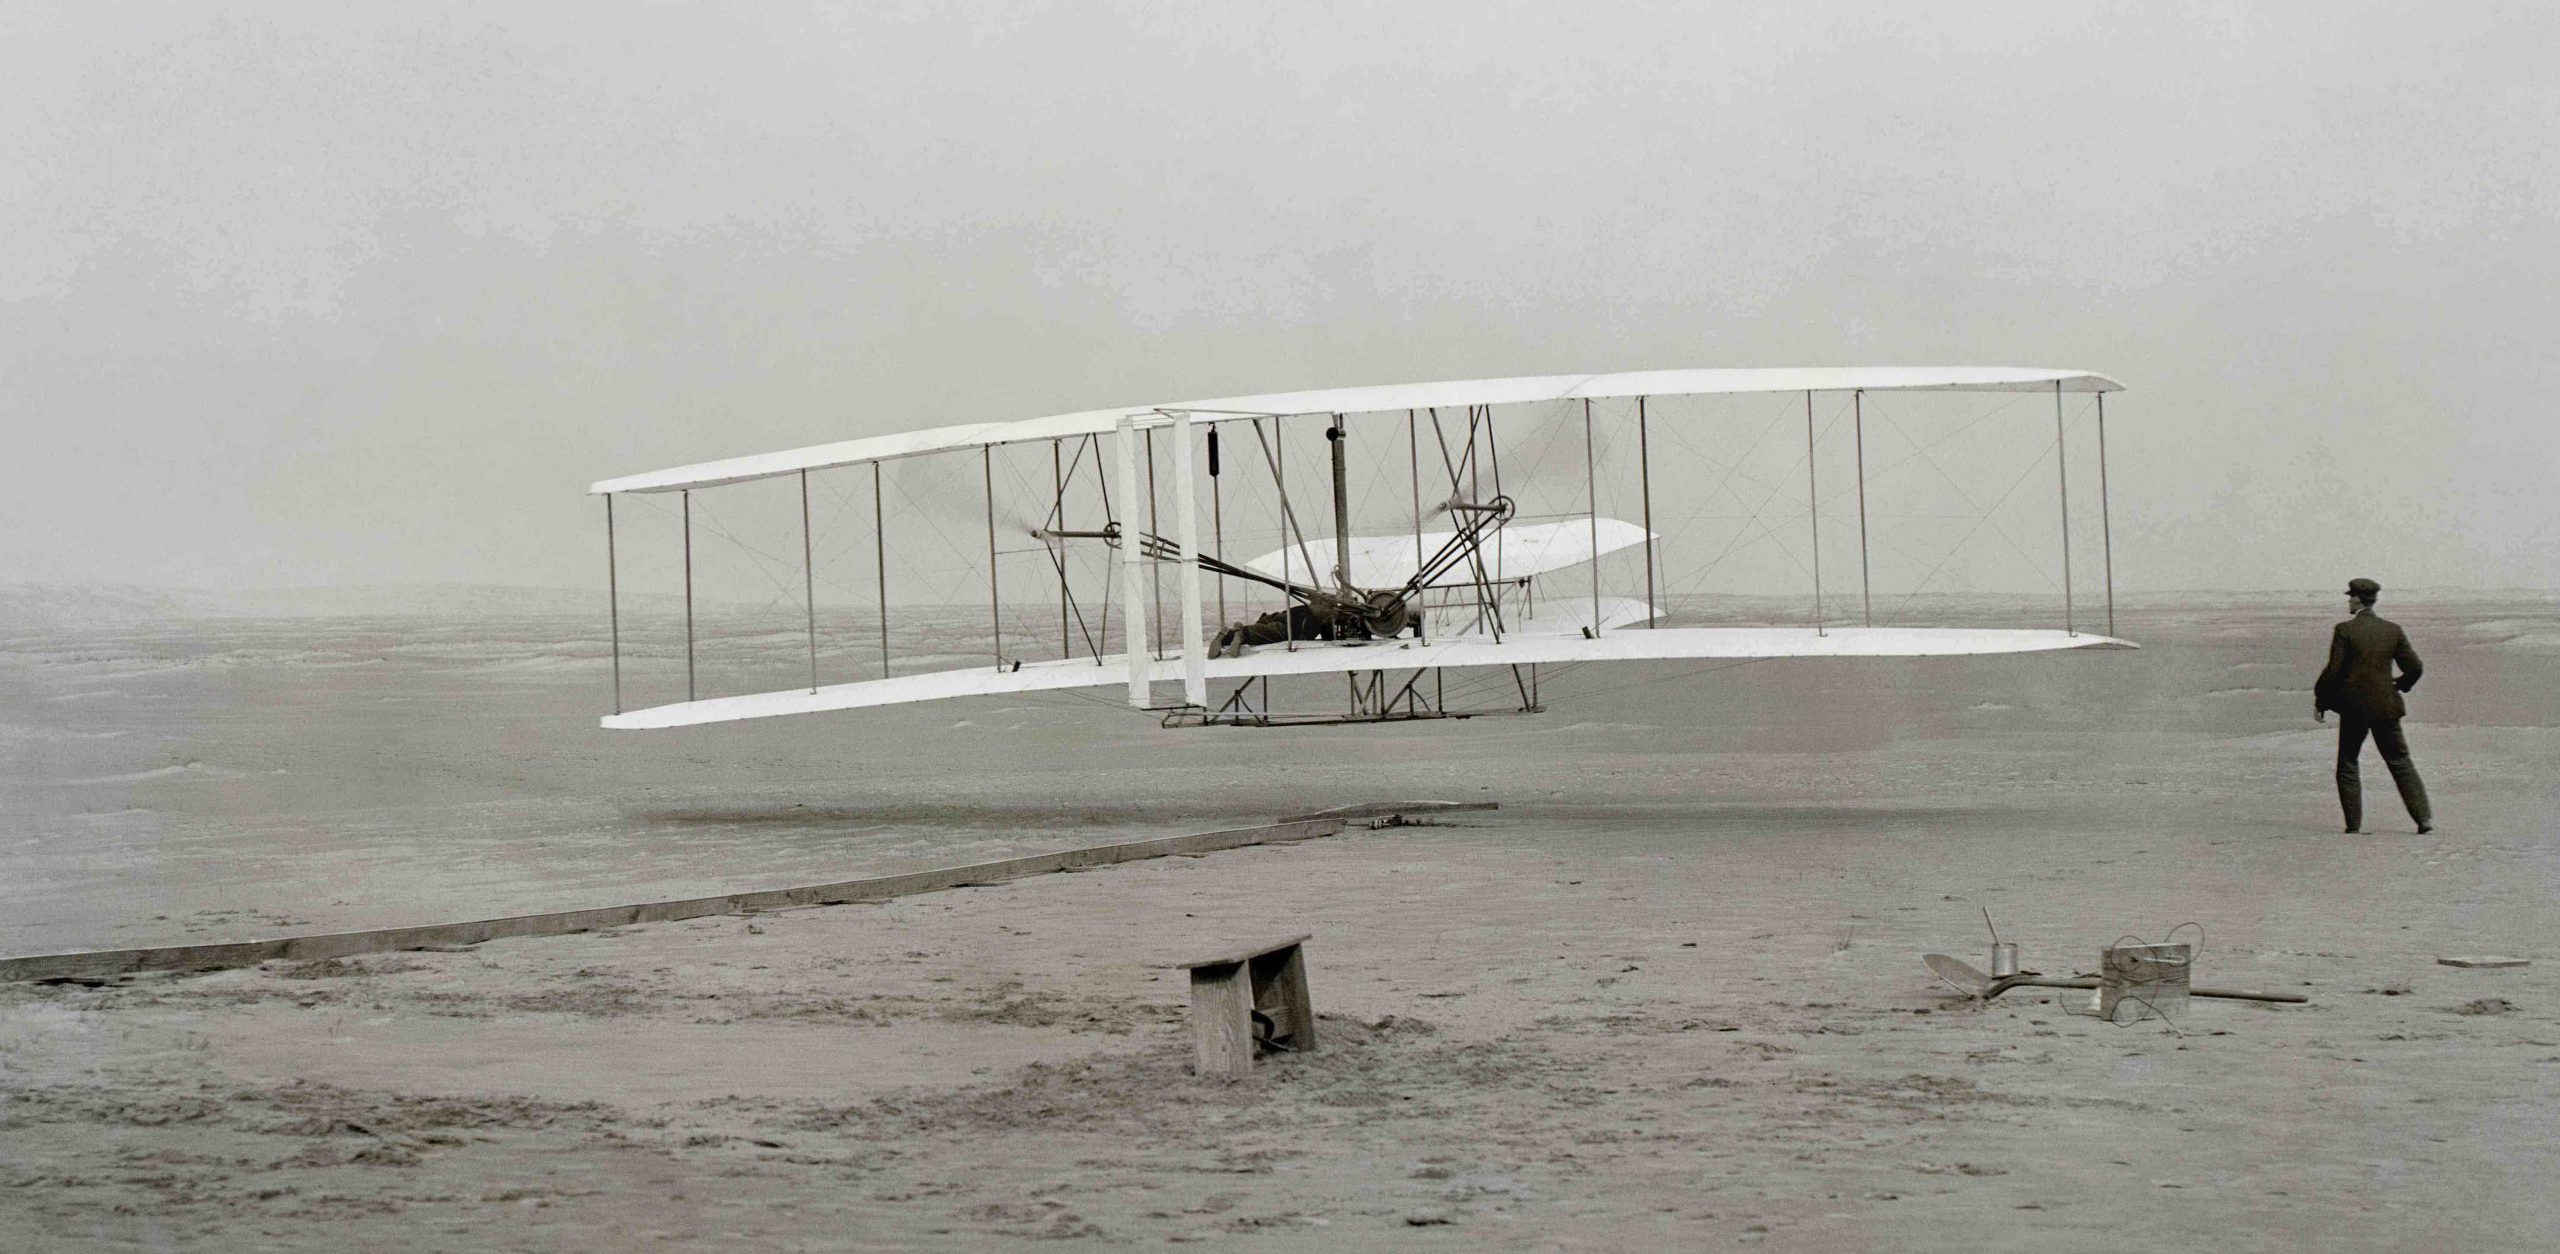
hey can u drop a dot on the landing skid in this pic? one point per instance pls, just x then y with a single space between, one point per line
1370 700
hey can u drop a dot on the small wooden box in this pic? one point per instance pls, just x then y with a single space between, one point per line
1230 989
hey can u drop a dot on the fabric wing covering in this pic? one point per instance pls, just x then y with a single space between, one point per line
1367 400
1570 630
1389 655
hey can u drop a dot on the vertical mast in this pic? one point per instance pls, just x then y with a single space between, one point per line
1217 524
1335 437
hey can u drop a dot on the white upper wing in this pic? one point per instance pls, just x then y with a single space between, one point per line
1453 394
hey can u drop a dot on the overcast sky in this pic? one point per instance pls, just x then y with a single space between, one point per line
343 293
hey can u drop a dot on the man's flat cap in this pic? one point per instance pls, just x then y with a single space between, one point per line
2363 589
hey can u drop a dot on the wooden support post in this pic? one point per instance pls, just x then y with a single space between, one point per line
2062 472
1413 460
1280 992
1222 1022
995 594
880 564
1591 493
809 579
1644 483
688 594
1813 513
1866 597
2106 528
1131 577
1155 570
1058 511
613 600
1475 492
1186 527
1493 454
1280 479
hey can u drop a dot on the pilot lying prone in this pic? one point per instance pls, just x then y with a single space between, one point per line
1383 616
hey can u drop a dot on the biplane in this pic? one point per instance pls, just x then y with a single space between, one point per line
1456 588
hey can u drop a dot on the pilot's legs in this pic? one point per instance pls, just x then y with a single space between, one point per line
2394 747
1276 627
2351 734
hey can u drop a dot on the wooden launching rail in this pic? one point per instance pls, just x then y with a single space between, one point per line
109 963
1393 813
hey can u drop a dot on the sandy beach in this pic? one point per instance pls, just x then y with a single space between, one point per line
1669 996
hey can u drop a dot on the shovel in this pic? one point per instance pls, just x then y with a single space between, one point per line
1970 980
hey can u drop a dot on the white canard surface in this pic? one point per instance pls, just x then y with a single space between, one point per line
1516 551
1555 616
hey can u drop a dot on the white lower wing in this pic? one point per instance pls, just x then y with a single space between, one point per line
1633 645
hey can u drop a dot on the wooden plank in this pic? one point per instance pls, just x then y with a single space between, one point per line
103 964
1394 809
1247 954
1222 1022
1291 1009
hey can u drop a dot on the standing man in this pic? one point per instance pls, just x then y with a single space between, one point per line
2358 684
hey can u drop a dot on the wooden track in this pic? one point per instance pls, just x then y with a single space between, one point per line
109 963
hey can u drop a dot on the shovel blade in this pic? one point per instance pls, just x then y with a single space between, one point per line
1958 972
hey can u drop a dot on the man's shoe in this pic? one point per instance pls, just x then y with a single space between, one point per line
2355 831
2424 828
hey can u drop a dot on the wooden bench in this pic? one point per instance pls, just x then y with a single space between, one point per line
1230 991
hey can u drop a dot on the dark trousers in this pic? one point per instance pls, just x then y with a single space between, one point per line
2395 755
1299 623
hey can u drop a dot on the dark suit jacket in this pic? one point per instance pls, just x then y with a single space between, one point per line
2358 679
